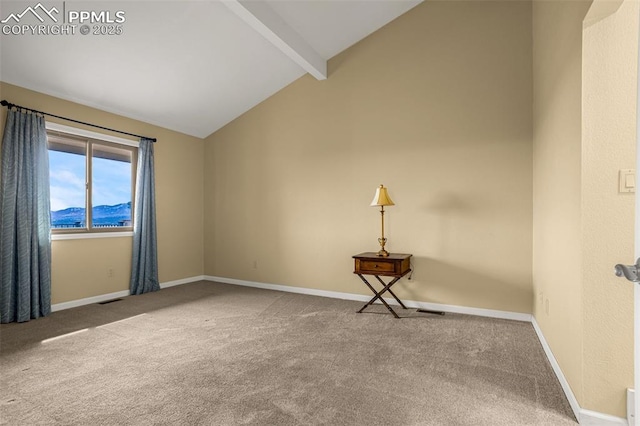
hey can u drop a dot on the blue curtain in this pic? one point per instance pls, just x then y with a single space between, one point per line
144 269
25 220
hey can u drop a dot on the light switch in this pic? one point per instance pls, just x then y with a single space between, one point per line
630 181
627 180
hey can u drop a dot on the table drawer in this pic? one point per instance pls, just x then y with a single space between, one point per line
376 266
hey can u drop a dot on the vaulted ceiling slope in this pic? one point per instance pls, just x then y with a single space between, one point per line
190 66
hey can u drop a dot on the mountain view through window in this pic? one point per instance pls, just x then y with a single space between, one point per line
90 184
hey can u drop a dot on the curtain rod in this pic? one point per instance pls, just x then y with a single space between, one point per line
9 105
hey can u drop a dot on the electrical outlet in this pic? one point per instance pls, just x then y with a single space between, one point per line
540 297
110 272
546 306
255 264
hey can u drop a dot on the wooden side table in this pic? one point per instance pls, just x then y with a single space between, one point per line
396 265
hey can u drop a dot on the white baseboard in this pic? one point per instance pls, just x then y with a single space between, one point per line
364 298
631 406
88 300
182 281
111 296
480 312
556 369
593 418
585 417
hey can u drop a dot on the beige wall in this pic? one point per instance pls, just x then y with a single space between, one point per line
584 133
79 267
557 236
437 106
608 145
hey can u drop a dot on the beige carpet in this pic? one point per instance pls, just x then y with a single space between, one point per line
216 354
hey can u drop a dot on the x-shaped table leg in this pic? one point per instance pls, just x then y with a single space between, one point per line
378 295
388 288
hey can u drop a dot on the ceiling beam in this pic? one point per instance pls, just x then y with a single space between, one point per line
267 22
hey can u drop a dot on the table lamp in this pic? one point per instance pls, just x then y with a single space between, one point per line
382 199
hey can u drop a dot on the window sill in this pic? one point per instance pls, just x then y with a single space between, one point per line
84 236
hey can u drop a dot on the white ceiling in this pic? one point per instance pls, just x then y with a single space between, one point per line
190 66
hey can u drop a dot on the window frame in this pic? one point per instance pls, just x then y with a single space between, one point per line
91 138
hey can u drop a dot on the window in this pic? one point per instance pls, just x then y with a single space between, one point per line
91 182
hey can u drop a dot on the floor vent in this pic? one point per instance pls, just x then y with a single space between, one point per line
109 301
